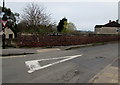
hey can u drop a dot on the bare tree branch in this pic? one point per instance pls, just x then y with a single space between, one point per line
36 15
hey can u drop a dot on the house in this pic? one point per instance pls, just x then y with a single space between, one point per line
9 32
112 27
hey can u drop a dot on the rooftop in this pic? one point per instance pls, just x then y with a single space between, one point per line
110 24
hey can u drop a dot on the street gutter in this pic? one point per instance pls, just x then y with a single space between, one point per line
86 45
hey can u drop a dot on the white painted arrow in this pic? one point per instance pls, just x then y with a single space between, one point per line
34 65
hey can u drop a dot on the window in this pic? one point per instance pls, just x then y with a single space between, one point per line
117 30
10 35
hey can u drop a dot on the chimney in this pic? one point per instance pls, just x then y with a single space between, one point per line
117 20
109 21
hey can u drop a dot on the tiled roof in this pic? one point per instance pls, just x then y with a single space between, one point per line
110 24
98 26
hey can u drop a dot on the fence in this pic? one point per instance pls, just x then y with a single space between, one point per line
11 42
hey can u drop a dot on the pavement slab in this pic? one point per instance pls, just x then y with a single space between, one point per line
109 75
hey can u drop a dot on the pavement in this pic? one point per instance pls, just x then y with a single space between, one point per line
24 51
108 75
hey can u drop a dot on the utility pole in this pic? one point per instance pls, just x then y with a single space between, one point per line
3 28
3 6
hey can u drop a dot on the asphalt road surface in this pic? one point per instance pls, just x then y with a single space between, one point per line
62 66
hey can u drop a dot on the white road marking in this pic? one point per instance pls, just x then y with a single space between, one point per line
14 56
34 65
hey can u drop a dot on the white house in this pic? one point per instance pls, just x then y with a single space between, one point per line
9 33
113 27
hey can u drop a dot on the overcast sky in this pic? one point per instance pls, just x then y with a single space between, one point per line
85 15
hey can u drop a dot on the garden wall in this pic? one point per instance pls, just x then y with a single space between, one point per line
46 40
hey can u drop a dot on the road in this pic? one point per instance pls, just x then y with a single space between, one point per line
73 66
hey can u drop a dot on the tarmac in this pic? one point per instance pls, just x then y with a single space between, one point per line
108 75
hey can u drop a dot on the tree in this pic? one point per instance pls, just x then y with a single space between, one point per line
10 17
35 15
66 27
62 25
22 27
71 27
11 22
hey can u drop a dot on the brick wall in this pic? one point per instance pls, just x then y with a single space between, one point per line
45 40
